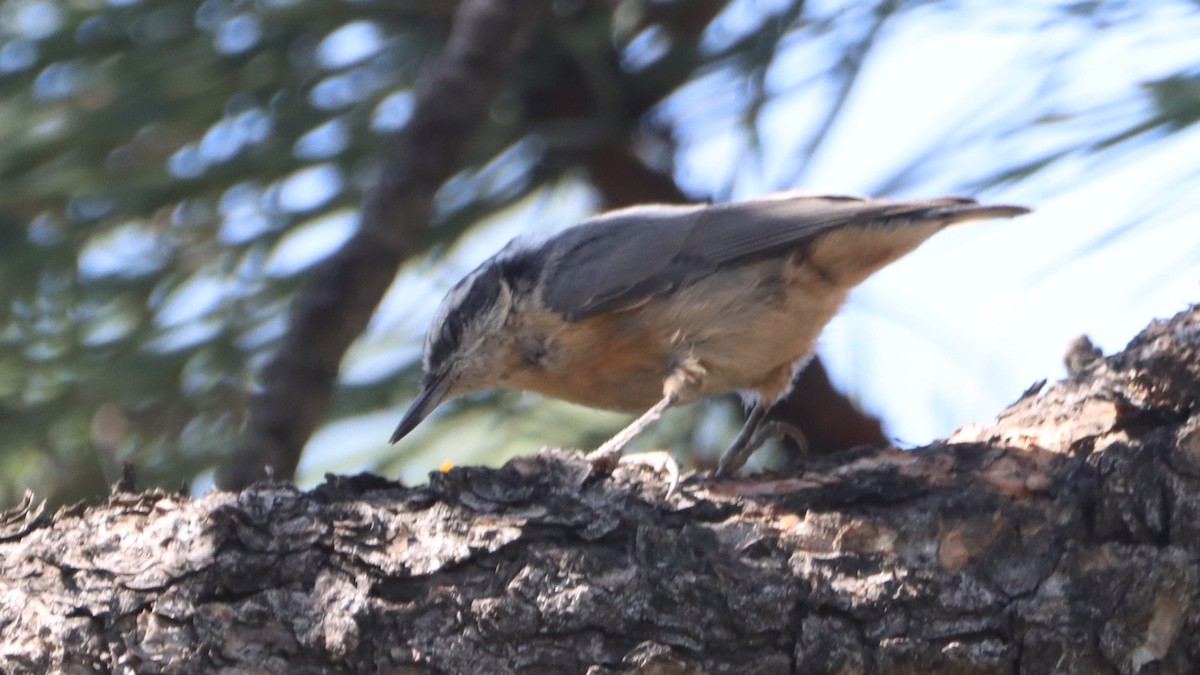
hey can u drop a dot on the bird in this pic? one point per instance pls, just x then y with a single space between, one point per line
654 306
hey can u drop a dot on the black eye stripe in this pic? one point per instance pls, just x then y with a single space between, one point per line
475 296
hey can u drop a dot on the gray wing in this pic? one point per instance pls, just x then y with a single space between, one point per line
626 257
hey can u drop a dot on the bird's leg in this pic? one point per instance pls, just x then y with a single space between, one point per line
682 384
613 446
752 436
757 430
772 430
747 441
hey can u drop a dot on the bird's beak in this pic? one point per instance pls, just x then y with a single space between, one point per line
433 393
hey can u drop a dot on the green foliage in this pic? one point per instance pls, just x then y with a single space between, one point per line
154 156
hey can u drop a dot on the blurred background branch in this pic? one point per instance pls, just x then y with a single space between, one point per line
173 172
334 306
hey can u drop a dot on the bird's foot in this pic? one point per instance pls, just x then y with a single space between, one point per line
752 437
658 461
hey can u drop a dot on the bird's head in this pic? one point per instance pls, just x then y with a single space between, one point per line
463 343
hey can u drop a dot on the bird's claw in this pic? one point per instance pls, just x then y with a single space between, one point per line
657 461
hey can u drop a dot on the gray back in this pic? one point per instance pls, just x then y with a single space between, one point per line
620 259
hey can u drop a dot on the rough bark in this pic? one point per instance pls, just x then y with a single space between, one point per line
451 102
1062 539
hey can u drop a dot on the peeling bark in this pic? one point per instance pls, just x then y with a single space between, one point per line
1061 539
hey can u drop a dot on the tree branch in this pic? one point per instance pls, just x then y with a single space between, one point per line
452 101
1064 538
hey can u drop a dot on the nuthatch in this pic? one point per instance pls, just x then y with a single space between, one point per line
654 306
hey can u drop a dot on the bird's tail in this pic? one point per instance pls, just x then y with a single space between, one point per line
959 209
850 254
